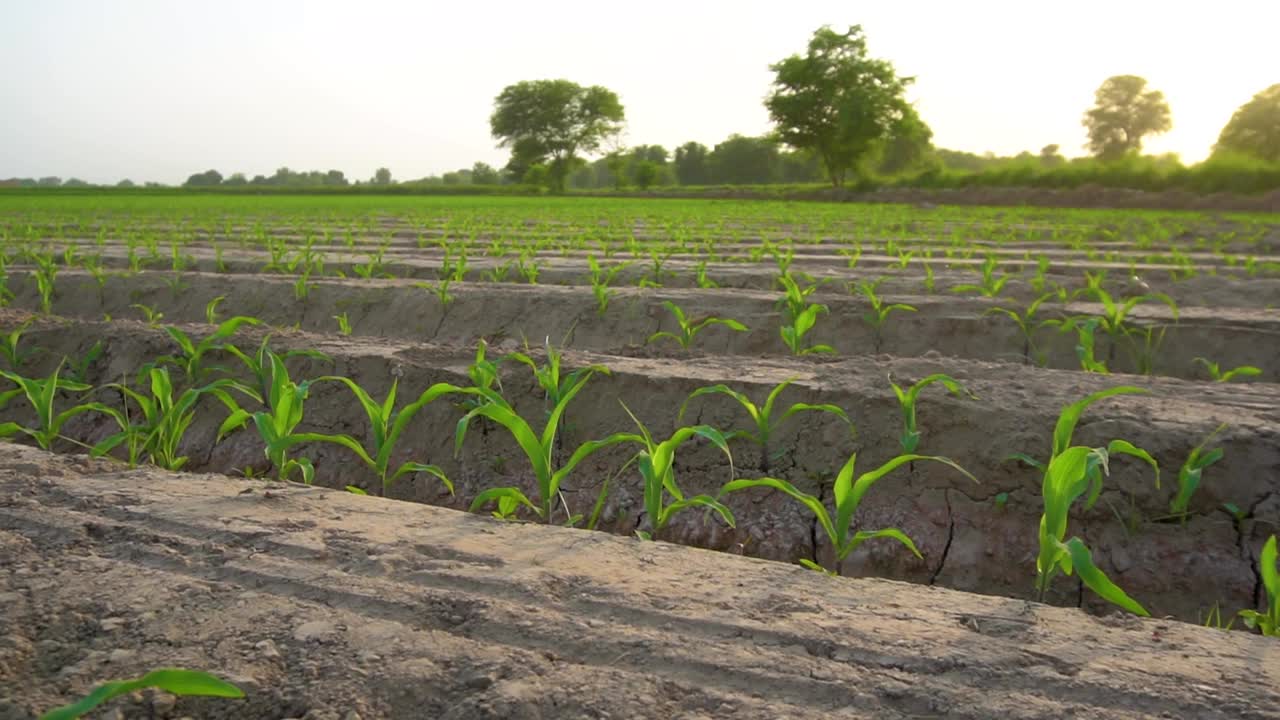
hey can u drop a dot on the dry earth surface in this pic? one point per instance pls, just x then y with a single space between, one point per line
321 604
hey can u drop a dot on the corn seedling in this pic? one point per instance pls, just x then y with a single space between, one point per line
1268 623
538 448
46 273
991 285
848 496
344 324
689 329
192 354
762 417
1027 325
211 309
276 424
440 290
1070 472
174 681
880 310
1086 349
1218 375
907 403
259 364
386 425
149 314
164 418
793 333
40 394
1191 473
10 350
78 368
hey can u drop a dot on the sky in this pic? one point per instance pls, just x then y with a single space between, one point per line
157 90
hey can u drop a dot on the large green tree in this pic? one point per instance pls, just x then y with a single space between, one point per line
691 164
551 122
837 102
1254 129
1124 111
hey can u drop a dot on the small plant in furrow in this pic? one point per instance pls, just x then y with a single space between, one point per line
440 289
192 354
689 329
344 324
175 681
848 496
1070 472
601 278
907 404
284 402
40 394
880 310
163 418
656 461
1028 325
1192 472
991 284
386 425
762 417
539 448
10 349
1223 376
1267 622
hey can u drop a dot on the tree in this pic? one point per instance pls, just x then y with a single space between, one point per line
335 177
909 144
208 178
50 181
692 167
1254 129
484 174
744 161
235 180
382 176
125 183
835 101
1124 111
549 122
1050 156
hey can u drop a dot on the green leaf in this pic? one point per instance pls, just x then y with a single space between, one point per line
496 494
172 680
1097 580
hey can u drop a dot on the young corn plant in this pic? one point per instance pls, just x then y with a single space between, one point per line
1028 325
991 284
192 354
78 368
46 273
689 329
848 496
40 394
1192 472
907 403
656 461
538 448
344 324
880 310
1268 623
175 681
276 424
1144 340
794 332
1070 473
164 419
548 376
14 355
386 425
601 279
259 364
763 417
1219 375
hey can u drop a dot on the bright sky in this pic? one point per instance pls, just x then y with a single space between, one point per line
157 90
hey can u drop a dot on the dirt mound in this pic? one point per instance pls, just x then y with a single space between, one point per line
321 604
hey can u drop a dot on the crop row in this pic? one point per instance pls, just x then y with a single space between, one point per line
153 411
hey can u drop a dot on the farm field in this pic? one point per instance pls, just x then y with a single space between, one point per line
247 331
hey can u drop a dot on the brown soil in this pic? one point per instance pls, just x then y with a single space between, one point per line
323 605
